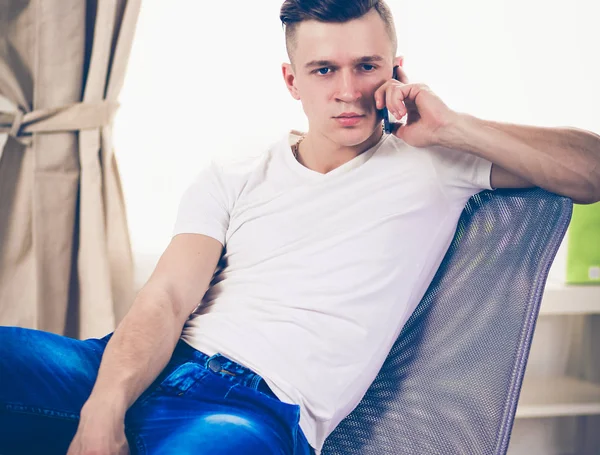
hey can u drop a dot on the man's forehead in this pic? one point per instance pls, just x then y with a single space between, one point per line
362 40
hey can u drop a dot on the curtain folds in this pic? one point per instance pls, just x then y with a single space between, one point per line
65 255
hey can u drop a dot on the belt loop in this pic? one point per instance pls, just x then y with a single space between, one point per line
16 124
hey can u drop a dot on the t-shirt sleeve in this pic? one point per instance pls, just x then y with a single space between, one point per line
204 207
461 174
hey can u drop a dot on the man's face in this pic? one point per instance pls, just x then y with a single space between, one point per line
345 84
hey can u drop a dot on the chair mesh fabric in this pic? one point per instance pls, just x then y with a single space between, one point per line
451 382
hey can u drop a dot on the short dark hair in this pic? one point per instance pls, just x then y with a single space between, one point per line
293 12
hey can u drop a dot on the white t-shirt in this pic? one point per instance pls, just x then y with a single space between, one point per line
320 272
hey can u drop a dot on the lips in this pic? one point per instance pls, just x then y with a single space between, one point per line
349 121
349 115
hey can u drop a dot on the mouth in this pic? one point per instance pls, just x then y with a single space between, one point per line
349 115
349 120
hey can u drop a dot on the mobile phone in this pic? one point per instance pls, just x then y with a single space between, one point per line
387 126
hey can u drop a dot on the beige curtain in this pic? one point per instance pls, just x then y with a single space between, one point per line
65 255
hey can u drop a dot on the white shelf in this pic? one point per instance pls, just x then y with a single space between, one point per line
570 299
557 396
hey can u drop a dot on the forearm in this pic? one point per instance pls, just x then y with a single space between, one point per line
139 349
561 160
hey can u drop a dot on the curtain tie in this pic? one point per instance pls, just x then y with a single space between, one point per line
71 117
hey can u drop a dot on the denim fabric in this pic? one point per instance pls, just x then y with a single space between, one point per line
198 404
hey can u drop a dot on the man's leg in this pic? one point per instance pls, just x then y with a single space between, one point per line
44 381
46 378
212 405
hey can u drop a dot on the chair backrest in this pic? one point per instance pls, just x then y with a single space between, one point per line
451 382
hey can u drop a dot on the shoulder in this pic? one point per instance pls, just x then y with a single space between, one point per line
251 157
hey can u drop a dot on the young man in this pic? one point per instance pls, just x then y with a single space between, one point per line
290 274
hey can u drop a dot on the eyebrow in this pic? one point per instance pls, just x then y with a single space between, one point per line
365 59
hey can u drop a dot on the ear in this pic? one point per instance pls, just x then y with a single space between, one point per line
399 61
290 78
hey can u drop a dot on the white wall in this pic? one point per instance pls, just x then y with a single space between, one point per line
204 80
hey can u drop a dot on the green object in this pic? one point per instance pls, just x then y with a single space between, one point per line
583 247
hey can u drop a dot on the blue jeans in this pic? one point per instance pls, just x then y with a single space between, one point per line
198 404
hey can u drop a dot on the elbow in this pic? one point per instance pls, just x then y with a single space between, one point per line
587 187
585 201
594 185
586 196
584 187
595 197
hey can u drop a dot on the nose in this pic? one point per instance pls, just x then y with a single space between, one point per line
348 91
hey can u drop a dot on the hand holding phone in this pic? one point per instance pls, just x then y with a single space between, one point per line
387 126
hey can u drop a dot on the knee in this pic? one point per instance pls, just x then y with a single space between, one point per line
15 340
23 348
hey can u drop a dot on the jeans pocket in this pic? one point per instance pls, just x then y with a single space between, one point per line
182 378
175 380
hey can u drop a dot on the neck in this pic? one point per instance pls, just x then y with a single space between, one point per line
319 153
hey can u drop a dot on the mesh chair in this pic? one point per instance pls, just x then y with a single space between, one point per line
451 382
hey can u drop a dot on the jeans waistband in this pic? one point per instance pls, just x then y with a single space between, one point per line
224 366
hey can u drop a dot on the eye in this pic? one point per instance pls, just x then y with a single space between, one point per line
320 69
369 69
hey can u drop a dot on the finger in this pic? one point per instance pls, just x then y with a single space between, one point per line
401 75
395 101
385 95
380 95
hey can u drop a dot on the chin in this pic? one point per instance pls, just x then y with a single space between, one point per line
350 140
356 135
